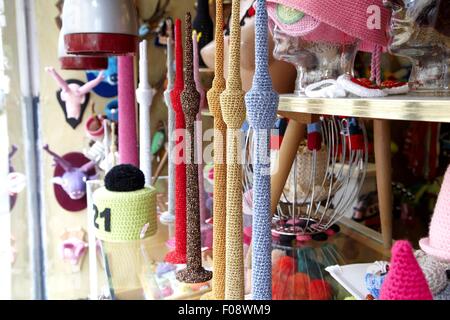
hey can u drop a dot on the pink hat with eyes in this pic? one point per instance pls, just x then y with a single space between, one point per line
366 20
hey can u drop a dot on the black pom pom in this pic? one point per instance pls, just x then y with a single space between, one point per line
320 237
124 178
335 228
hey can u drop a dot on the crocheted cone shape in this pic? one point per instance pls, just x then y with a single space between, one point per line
348 16
194 273
178 256
405 280
171 122
438 242
220 170
233 110
203 25
124 208
262 104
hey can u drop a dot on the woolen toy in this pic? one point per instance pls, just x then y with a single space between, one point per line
178 256
233 109
320 289
220 172
190 98
297 287
437 244
170 216
128 145
125 210
434 271
262 104
405 280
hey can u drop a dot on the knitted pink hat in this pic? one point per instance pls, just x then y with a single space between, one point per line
405 280
438 242
351 17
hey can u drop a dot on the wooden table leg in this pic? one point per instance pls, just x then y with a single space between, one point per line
294 135
382 140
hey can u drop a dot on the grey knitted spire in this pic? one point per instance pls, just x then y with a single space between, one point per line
262 104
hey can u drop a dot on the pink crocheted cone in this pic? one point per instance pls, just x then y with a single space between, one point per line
438 242
349 16
405 280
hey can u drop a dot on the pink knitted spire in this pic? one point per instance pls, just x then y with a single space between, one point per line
128 145
438 242
405 280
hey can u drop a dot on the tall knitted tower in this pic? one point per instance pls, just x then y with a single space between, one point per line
233 109
201 91
179 254
262 104
220 170
128 145
190 98
171 120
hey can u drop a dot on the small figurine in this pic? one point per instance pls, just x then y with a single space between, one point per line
74 96
73 181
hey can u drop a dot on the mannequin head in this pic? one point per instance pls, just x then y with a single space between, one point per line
282 73
314 60
420 31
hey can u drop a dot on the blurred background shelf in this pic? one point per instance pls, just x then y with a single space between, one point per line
412 108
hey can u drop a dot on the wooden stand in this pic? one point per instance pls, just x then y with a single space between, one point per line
382 141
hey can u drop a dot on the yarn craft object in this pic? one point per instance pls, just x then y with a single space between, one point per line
434 271
220 169
125 210
405 280
128 145
190 98
178 256
233 109
262 104
199 131
171 123
437 244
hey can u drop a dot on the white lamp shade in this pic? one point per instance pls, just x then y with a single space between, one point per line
100 27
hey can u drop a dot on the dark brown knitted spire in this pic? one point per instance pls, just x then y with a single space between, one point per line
190 100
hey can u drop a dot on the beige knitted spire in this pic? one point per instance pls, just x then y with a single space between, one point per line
233 110
220 173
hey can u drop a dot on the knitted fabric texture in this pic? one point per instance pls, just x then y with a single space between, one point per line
203 25
128 146
405 280
438 242
262 104
194 272
122 209
233 109
220 173
434 270
171 123
201 91
179 254
348 16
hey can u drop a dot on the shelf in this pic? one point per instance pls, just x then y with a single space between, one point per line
412 108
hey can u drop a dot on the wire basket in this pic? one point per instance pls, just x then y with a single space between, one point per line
324 181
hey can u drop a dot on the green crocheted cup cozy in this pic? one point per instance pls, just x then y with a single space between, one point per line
121 216
124 210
